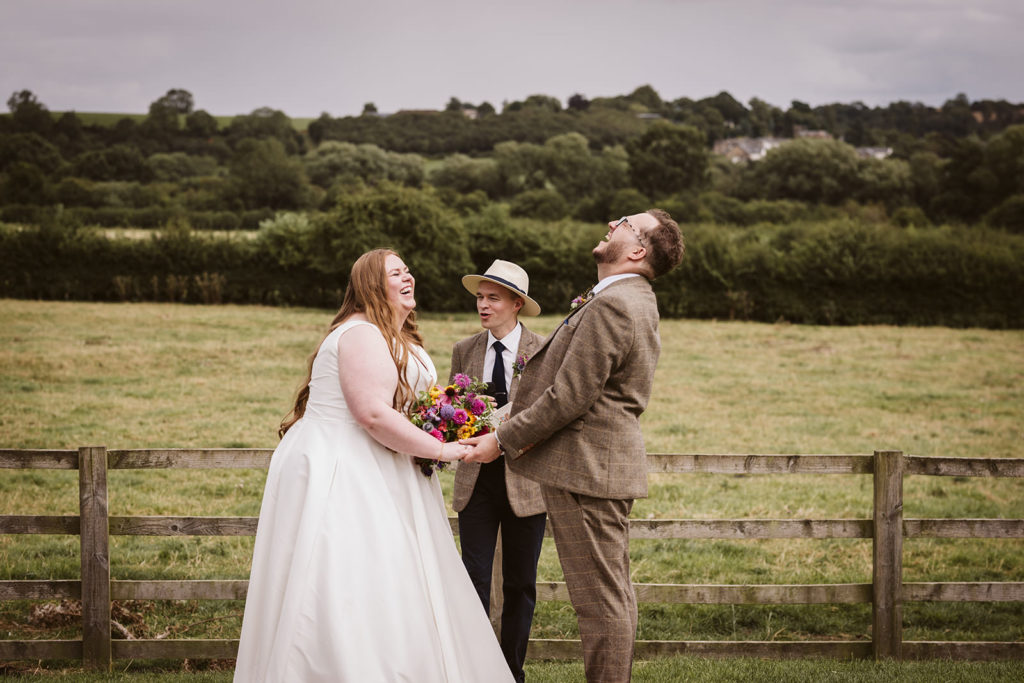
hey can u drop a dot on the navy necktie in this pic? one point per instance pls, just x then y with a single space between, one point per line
498 387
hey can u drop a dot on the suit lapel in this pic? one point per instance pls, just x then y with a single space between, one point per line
627 282
476 356
527 347
565 321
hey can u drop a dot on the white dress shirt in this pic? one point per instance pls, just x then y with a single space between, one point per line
511 343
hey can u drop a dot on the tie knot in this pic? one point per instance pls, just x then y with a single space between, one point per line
498 347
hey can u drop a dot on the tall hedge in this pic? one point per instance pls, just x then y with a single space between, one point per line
848 272
834 272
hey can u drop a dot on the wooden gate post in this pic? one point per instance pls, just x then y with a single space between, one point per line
887 556
95 538
497 589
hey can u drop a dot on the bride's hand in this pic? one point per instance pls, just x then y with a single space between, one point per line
454 451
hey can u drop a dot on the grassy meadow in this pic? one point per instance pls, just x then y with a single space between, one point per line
166 375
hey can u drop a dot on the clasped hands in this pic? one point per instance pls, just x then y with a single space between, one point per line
479 449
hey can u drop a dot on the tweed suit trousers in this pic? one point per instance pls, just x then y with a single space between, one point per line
592 538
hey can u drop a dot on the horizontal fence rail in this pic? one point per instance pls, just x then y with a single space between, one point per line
638 528
886 528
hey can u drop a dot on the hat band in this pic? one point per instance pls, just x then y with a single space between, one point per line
503 281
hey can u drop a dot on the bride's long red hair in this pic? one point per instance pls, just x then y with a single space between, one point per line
367 293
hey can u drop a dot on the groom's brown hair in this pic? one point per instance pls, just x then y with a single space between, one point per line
665 244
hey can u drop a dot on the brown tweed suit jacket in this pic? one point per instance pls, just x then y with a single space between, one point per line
468 358
575 420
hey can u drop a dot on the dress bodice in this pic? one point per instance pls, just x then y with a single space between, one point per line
326 399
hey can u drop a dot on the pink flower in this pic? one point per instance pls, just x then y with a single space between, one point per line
476 406
437 435
460 417
463 381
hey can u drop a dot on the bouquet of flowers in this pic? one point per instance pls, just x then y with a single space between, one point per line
458 411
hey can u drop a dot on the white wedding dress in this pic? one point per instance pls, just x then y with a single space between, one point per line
355 575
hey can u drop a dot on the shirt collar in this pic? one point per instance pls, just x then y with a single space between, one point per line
612 278
510 341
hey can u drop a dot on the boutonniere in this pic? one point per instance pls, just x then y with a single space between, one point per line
581 299
519 365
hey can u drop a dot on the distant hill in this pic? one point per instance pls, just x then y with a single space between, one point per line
109 119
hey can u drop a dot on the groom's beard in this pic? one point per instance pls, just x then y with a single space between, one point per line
611 253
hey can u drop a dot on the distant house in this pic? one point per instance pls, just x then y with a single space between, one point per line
874 152
802 132
742 150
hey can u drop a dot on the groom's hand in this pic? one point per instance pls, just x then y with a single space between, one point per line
485 448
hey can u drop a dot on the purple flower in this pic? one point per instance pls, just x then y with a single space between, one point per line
476 406
519 365
581 299
446 412
460 416
463 381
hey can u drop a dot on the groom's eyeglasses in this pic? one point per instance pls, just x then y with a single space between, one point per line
636 233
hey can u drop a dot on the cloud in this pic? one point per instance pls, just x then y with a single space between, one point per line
309 56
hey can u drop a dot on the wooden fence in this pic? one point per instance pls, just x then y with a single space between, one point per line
887 528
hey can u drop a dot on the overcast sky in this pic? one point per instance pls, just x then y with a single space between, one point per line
305 57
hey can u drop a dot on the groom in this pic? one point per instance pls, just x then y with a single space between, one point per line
575 429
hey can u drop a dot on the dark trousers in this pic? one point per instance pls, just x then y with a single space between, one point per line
521 539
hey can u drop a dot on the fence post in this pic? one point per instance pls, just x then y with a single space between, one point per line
887 556
95 539
497 588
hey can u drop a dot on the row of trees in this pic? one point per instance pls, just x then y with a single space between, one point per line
831 271
613 120
591 160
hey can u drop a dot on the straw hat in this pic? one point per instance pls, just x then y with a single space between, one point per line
511 277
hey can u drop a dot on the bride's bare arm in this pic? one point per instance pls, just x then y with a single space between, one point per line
368 379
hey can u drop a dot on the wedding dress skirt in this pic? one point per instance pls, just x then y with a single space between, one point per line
355 575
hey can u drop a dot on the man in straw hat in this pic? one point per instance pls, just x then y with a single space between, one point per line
490 497
575 428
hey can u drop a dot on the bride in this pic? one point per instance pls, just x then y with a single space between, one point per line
355 575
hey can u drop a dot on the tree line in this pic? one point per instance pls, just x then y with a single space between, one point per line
831 270
960 162
814 232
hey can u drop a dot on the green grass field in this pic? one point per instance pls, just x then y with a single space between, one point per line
670 670
162 375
